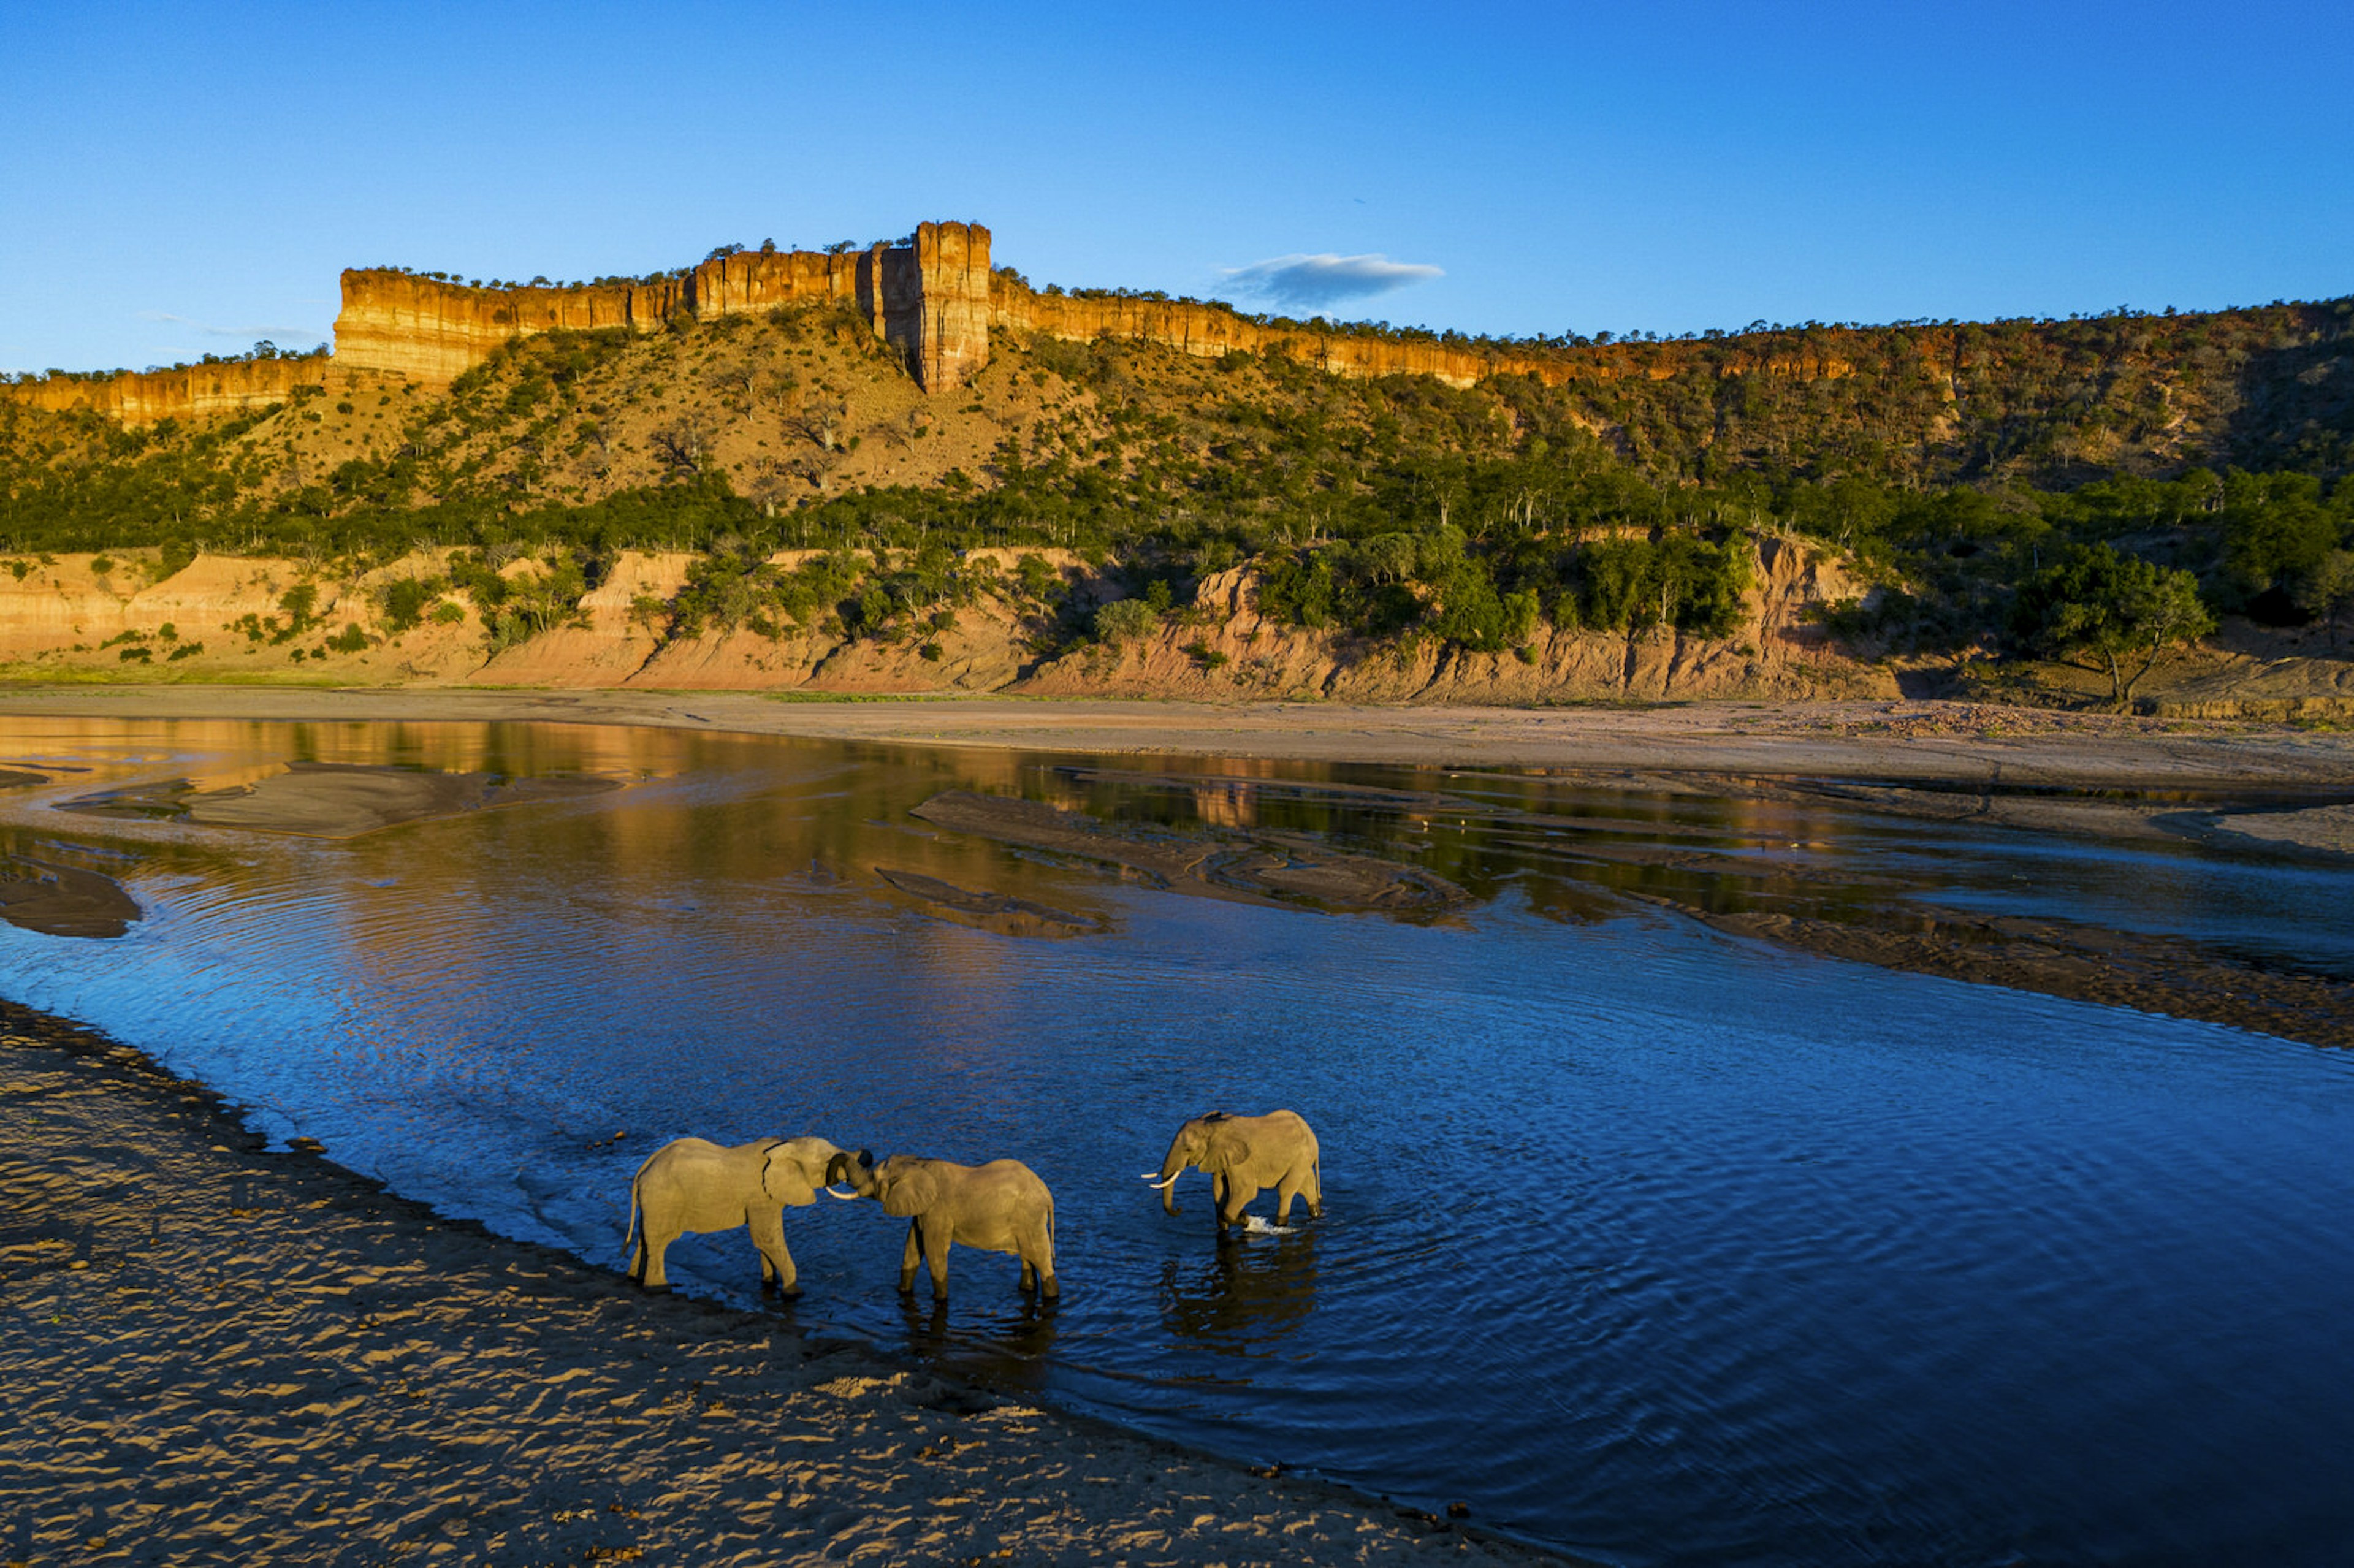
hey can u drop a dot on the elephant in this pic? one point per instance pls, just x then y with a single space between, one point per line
691 1185
1243 1154
1002 1206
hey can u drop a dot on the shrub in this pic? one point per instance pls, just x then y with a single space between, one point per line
1126 620
403 603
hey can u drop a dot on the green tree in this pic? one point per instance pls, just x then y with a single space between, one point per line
2118 610
2328 589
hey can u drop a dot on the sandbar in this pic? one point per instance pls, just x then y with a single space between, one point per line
1978 744
332 799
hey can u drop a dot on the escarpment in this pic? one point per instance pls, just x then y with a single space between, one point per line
936 300
180 392
929 297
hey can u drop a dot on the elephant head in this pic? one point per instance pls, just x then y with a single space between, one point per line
1213 1143
904 1187
793 1168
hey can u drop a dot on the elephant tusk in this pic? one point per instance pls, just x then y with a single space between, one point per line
845 1197
1157 1185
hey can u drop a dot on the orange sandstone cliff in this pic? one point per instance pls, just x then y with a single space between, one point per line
927 298
934 298
182 392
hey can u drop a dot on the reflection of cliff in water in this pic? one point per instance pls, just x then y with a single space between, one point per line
1766 860
1253 1292
1019 846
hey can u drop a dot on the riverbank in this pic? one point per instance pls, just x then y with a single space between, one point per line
1983 744
219 1354
1985 760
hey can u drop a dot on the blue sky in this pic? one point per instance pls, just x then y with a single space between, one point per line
180 179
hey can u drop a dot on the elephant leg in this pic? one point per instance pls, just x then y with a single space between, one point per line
777 1273
1239 1193
1029 1276
1285 1191
656 1244
1218 1199
907 1256
1043 1266
936 1259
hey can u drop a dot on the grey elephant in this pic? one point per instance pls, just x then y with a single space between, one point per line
1002 1206
1243 1154
692 1184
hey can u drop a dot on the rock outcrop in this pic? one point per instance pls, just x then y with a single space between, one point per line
933 297
182 392
929 297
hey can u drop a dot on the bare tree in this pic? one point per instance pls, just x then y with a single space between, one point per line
681 445
820 420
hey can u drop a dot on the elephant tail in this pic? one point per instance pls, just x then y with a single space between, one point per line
632 1233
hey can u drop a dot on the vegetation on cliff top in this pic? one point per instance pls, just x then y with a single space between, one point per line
1972 470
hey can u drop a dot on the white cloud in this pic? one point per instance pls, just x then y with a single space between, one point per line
281 335
1314 282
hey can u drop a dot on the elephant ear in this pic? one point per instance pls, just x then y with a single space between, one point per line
1226 1152
782 1178
911 1192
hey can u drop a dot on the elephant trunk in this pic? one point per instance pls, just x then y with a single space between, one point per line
1170 1168
857 1169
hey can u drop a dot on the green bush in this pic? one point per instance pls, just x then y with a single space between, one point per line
1125 621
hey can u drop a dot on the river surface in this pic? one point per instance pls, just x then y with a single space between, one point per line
1658 1245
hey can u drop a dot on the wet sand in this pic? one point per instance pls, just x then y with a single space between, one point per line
331 799
62 900
217 1354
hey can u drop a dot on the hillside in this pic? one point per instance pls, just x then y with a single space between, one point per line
1574 512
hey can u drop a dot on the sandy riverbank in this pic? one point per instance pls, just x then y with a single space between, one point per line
218 1355
1951 743
1976 759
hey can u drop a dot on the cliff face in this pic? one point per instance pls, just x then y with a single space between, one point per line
2237 386
184 391
929 299
433 332
1207 330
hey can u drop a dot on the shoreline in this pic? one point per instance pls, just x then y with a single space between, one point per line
1927 741
220 1353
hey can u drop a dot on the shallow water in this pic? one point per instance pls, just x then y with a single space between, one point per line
1658 1245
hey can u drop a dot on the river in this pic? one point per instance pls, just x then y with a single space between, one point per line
1651 1241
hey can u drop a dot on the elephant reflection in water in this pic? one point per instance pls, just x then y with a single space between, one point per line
1253 1293
1003 1350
